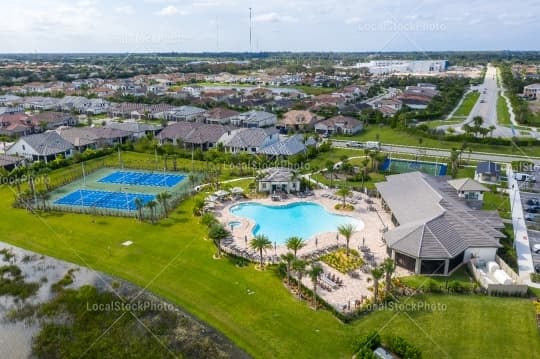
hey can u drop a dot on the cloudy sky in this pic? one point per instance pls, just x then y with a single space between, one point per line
289 25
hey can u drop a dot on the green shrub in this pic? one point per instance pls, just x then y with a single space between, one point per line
402 348
371 341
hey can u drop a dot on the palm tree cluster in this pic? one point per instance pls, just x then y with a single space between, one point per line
386 270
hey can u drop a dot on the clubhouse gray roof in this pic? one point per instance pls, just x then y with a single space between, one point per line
277 174
248 137
434 222
133 127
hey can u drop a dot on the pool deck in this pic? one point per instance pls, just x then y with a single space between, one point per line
353 289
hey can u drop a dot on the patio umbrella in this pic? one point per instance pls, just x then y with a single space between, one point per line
221 193
237 190
211 198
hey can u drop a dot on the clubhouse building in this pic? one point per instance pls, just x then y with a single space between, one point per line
436 230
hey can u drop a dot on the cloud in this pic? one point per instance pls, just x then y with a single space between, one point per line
125 10
273 17
353 20
170 11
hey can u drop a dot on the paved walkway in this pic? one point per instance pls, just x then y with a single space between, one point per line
521 238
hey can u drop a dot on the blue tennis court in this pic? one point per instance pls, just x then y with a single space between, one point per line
103 199
403 166
143 179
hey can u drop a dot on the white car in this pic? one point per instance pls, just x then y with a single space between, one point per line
536 248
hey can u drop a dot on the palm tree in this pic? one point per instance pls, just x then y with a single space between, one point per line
260 243
330 169
347 230
294 244
344 192
377 273
217 233
299 266
162 198
389 267
315 273
152 206
44 196
139 204
288 258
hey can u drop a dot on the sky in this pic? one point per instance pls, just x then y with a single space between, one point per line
277 25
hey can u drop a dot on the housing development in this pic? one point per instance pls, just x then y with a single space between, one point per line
325 200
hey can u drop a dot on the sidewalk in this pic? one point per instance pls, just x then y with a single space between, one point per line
521 238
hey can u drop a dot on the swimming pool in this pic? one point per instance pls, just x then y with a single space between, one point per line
304 219
143 178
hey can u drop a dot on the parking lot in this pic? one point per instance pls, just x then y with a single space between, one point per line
530 198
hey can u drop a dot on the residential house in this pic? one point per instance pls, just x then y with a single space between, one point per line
136 129
279 179
40 103
51 120
193 134
289 146
222 116
16 124
487 172
10 100
339 125
532 91
82 138
45 146
184 113
8 163
249 140
298 120
442 232
255 119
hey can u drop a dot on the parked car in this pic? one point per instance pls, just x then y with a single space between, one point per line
524 177
533 202
531 217
531 210
353 144
537 268
536 248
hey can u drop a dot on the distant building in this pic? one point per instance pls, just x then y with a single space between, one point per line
487 172
387 67
532 91
255 119
339 125
298 120
41 147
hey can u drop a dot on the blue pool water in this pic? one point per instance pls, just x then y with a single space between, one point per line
143 179
302 219
103 199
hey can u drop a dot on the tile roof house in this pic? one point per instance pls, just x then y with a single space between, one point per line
193 134
487 172
10 162
288 147
221 116
184 113
93 137
51 120
441 232
298 120
249 140
255 119
137 129
45 146
16 124
339 125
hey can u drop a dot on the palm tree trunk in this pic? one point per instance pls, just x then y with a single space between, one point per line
260 253
315 294
375 290
299 285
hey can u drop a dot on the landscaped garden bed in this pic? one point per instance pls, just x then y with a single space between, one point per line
343 263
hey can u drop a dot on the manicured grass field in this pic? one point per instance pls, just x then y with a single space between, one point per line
467 105
503 116
388 135
499 202
253 308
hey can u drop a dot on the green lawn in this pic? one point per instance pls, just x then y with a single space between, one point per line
388 135
499 202
437 123
503 116
253 308
466 106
